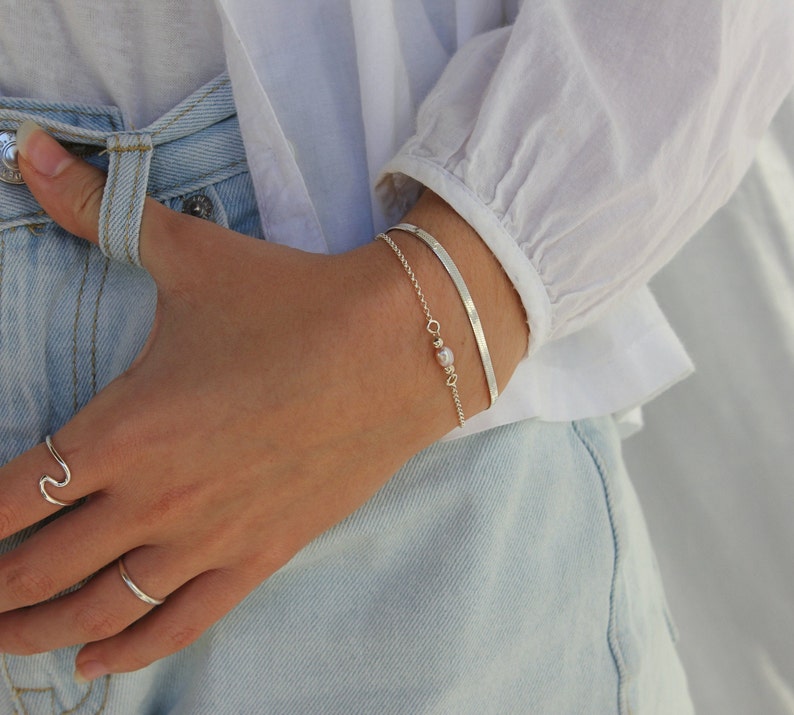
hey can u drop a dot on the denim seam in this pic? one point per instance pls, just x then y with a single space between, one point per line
190 108
23 217
62 132
88 137
160 194
84 111
183 188
105 237
77 134
17 693
612 637
75 327
95 326
89 693
106 234
131 210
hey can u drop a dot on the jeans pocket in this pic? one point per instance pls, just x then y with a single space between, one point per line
641 632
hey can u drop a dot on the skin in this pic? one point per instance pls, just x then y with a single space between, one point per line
278 391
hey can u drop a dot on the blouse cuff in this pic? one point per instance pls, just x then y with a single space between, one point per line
400 183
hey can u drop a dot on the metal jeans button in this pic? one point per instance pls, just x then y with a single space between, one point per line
199 206
9 167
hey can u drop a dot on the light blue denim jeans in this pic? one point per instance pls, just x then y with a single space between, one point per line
507 572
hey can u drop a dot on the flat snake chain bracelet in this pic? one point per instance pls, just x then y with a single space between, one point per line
444 355
465 296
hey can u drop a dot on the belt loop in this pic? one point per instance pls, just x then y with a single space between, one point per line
122 202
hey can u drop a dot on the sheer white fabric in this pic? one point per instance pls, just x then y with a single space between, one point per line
584 141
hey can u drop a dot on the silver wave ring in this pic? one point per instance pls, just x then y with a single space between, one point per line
47 479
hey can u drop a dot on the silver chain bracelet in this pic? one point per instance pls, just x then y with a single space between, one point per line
444 356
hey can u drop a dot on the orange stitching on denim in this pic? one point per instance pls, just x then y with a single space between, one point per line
76 133
104 704
23 216
89 693
79 303
189 109
18 692
133 196
141 149
72 134
129 149
84 139
95 326
106 233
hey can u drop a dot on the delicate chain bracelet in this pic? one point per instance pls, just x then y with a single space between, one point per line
444 355
465 297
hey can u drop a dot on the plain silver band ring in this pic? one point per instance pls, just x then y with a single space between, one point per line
47 479
146 598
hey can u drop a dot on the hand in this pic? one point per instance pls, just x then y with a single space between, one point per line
278 390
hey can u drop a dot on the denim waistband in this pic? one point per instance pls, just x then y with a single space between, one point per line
195 144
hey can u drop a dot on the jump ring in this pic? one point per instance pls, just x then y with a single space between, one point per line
146 598
47 479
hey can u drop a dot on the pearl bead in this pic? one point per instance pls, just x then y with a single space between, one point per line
445 357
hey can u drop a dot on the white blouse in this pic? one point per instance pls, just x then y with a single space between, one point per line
585 141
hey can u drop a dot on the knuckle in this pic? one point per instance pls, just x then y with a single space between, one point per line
16 641
180 635
89 197
9 519
173 500
28 585
97 623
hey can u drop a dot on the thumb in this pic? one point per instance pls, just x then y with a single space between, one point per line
67 188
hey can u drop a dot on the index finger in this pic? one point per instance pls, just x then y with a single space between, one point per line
23 503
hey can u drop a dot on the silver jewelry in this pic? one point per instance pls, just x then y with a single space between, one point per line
146 598
47 479
444 355
465 296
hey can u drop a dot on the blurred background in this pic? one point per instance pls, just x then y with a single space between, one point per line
714 465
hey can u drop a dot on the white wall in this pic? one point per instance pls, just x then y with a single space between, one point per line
714 466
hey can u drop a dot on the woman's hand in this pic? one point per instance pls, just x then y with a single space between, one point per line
278 390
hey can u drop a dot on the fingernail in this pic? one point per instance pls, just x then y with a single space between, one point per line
40 150
88 671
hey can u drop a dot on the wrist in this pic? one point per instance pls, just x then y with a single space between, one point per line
384 326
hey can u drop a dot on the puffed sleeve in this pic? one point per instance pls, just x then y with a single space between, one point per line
588 140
